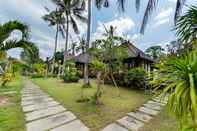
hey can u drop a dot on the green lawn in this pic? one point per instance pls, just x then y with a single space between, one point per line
95 117
162 122
11 116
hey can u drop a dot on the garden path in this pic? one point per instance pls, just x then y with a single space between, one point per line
43 113
135 120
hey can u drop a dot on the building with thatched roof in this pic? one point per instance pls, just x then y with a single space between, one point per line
136 58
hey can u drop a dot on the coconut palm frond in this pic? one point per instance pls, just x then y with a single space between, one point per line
74 25
179 6
121 4
150 6
137 5
186 26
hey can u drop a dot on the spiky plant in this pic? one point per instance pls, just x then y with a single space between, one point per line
178 75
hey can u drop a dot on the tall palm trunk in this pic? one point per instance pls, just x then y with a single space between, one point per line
55 49
86 79
66 44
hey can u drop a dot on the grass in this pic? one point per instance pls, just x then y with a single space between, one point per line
11 116
162 122
95 117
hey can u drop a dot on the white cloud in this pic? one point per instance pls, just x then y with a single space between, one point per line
122 25
164 14
161 22
174 1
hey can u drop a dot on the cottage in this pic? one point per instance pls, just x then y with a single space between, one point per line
136 58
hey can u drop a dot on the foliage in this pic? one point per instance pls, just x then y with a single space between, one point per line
178 75
154 51
39 68
70 73
136 77
7 77
186 25
99 68
109 51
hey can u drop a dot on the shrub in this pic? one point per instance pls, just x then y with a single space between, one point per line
71 73
136 77
7 77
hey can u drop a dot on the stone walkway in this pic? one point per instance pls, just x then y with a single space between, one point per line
44 113
135 120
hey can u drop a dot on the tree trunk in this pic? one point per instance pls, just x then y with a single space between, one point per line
98 93
55 49
66 44
86 73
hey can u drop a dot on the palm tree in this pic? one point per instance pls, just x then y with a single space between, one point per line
55 18
81 46
72 9
186 25
154 51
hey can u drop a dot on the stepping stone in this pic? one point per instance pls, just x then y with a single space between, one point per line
29 94
44 112
148 111
39 106
33 97
155 103
36 101
152 106
130 123
114 127
50 122
159 100
75 125
140 116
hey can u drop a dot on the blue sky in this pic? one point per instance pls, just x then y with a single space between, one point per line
158 31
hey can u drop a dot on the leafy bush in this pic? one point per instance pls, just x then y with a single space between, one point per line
40 68
71 73
136 77
7 77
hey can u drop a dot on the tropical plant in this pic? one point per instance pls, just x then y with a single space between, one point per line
70 73
178 75
98 67
73 9
154 51
136 77
108 50
81 46
55 18
6 30
186 25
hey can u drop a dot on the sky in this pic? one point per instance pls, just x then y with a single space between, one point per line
158 30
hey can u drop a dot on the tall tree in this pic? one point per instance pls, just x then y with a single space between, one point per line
73 9
154 51
55 18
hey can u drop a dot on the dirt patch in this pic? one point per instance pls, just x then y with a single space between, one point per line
3 100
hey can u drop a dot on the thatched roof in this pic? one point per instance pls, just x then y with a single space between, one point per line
133 52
